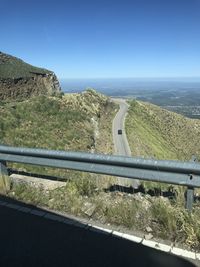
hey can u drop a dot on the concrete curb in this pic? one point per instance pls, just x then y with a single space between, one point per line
47 214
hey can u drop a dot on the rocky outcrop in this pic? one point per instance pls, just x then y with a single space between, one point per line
19 80
25 87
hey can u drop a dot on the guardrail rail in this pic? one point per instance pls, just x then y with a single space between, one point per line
164 171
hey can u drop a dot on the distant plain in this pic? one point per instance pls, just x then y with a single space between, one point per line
181 95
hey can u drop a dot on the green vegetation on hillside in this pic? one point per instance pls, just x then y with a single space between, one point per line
154 132
54 123
44 122
157 133
73 122
13 68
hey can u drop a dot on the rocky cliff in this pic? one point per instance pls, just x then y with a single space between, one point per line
19 80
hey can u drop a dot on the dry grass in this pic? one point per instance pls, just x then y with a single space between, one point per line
82 197
161 134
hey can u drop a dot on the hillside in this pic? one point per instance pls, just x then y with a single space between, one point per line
13 67
78 122
71 122
158 133
19 80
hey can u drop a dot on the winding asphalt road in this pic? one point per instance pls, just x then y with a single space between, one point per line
120 141
121 145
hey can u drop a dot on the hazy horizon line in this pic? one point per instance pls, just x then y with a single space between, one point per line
135 78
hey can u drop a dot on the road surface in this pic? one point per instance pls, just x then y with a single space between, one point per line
121 146
31 239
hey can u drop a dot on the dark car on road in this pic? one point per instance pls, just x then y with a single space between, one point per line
119 131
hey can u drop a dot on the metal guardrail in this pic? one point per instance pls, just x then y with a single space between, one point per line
164 171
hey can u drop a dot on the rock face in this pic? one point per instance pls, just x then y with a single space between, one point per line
19 80
25 87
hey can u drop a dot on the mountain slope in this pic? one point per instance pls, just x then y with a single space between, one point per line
19 80
13 67
77 122
71 122
156 132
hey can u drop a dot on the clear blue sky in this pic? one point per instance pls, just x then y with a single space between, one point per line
104 38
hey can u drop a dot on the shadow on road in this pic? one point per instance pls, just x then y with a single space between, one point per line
30 240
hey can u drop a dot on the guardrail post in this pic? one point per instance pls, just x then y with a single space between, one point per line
190 190
4 178
189 198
